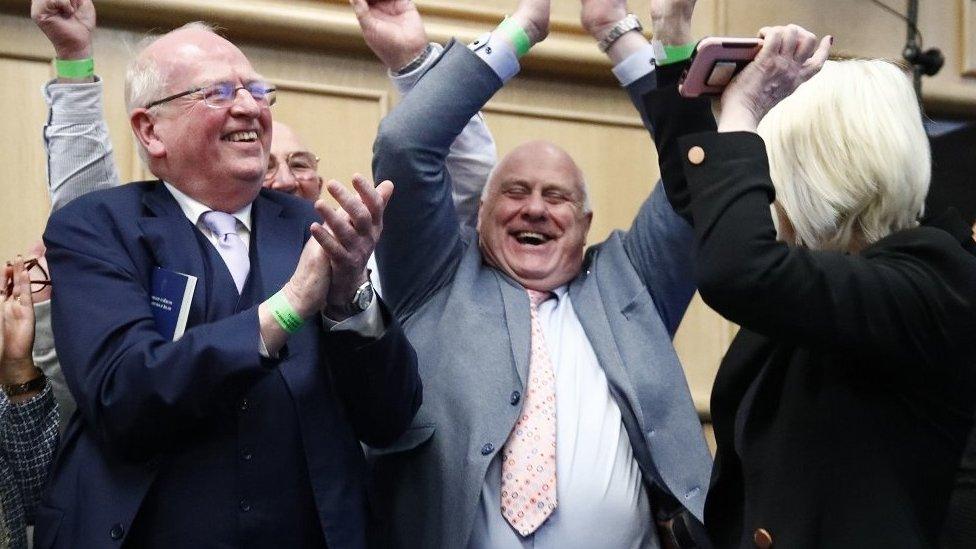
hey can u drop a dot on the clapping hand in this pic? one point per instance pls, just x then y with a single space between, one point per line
349 234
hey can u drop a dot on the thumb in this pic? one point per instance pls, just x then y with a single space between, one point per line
813 65
360 8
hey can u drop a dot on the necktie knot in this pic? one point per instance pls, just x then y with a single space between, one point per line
220 223
536 297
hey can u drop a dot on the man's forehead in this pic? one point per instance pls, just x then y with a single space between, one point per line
194 55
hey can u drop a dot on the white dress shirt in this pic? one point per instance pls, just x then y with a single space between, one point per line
602 499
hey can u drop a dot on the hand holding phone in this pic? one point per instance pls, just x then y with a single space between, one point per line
716 61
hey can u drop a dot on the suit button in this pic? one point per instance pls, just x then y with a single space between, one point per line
516 397
246 454
117 531
245 505
696 155
487 449
244 405
762 538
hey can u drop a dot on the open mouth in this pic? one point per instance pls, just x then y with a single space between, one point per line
246 136
531 238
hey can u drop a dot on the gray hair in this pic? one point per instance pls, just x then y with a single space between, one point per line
143 79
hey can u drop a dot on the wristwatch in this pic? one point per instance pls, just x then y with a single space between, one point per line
363 297
35 384
623 26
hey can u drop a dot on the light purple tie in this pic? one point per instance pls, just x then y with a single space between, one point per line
229 245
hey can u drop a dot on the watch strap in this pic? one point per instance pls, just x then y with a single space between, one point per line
35 384
625 25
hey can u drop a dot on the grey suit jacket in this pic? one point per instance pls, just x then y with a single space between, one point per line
470 326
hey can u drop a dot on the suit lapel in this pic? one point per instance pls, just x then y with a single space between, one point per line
516 301
585 294
173 244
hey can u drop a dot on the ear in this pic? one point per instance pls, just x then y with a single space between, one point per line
587 221
144 127
481 208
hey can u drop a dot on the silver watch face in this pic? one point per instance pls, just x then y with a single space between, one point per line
363 297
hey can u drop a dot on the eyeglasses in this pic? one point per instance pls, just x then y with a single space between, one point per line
301 164
221 95
39 279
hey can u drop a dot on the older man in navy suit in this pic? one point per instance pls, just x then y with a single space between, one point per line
244 431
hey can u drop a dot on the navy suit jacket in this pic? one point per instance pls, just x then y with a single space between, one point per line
141 396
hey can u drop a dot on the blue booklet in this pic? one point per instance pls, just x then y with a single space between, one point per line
170 298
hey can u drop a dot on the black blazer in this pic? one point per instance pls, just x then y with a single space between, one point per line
842 407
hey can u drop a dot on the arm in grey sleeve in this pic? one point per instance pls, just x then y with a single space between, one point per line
79 153
421 243
472 155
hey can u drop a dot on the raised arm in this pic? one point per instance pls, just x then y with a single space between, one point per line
400 42
422 241
76 138
659 242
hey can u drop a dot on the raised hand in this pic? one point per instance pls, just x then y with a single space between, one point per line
598 16
671 21
68 24
392 29
349 235
789 57
533 17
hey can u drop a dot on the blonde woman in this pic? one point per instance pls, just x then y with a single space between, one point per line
842 407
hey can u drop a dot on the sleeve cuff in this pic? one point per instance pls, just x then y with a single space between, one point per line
405 82
498 53
74 103
636 66
368 323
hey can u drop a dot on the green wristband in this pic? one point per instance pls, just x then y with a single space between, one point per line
75 68
677 54
284 313
518 36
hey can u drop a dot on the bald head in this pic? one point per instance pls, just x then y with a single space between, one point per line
534 216
295 167
542 151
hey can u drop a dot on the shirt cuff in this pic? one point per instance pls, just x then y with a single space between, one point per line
263 348
74 103
368 323
498 53
405 82
636 66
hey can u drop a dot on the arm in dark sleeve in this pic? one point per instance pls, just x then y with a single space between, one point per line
378 380
908 297
660 243
28 441
668 116
421 242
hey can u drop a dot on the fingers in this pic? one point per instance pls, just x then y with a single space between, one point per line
354 207
360 8
21 292
816 61
328 242
337 223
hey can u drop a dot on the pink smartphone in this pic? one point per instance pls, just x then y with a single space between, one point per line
716 61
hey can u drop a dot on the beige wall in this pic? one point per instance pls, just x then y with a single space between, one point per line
334 94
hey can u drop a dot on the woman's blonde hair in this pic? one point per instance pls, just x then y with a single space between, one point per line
848 155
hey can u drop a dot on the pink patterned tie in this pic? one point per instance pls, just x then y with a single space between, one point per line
529 455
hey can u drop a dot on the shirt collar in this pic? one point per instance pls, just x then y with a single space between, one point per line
193 209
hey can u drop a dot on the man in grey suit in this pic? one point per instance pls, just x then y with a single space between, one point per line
556 413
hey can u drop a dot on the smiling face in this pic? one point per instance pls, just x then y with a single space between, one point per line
532 223
304 183
218 156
